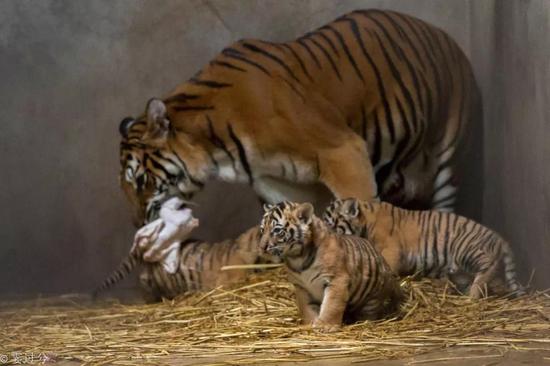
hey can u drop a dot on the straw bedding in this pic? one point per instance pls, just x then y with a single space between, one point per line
257 322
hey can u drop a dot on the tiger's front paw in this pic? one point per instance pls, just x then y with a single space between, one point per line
323 327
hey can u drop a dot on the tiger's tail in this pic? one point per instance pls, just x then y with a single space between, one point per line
122 271
510 275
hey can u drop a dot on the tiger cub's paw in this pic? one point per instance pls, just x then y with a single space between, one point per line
322 327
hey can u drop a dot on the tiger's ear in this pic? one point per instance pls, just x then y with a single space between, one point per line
351 207
124 126
268 207
158 124
305 212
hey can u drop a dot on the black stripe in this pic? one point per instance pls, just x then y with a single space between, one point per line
218 142
311 54
435 251
397 77
237 55
181 97
421 40
373 269
310 258
227 65
403 35
242 153
363 122
186 171
447 182
329 41
283 170
377 148
209 83
329 58
157 165
425 222
446 198
399 51
438 77
404 141
294 168
294 89
358 274
380 83
213 159
271 56
194 108
300 61
347 51
445 244
211 253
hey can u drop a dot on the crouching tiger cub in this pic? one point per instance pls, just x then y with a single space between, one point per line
337 278
433 243
199 267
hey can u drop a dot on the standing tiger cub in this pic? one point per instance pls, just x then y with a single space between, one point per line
337 278
433 243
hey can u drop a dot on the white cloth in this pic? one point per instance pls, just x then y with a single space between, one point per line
159 241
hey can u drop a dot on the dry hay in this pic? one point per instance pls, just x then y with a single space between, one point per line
257 323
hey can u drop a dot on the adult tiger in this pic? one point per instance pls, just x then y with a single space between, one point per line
283 115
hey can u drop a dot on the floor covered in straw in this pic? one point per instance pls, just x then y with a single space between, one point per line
257 323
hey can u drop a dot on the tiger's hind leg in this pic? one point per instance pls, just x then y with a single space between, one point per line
482 280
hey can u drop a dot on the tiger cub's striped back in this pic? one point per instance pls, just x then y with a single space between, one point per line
338 278
199 268
433 243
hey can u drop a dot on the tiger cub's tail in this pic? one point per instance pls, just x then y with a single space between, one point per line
510 275
123 270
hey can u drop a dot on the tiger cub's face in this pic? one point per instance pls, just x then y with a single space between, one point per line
286 228
345 217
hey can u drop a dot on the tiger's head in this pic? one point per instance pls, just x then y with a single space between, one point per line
152 164
286 228
349 216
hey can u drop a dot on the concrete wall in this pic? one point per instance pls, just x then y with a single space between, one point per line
513 57
71 70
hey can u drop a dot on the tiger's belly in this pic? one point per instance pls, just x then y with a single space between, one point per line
275 190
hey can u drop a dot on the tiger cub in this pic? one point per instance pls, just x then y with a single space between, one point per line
199 267
337 278
432 243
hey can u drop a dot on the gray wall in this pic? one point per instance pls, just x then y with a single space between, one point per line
513 57
71 70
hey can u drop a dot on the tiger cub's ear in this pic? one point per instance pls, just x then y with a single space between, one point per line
158 124
268 207
351 207
305 212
